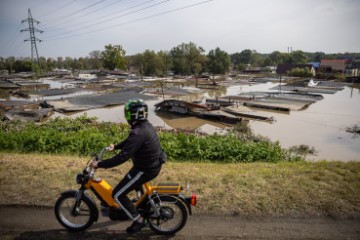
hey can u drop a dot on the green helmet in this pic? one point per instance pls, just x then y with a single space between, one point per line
135 110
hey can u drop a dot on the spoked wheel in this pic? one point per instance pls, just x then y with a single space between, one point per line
173 215
73 215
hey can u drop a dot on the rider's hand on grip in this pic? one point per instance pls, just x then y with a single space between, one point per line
94 164
110 148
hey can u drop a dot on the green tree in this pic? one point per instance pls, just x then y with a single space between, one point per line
218 62
276 58
114 57
10 63
78 64
43 65
295 57
68 63
235 59
152 63
50 63
318 56
166 61
299 57
256 59
60 63
22 65
138 62
300 72
245 56
2 63
186 58
95 60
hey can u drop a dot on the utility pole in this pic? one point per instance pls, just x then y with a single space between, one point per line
35 63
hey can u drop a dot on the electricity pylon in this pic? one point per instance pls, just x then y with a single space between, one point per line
33 39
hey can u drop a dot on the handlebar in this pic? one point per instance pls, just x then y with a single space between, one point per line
96 157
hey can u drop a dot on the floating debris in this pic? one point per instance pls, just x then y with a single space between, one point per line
237 112
267 106
8 105
29 115
198 110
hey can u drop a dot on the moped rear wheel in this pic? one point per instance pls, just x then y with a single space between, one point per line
75 215
173 215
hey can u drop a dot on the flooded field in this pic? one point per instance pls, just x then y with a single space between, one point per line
322 125
319 122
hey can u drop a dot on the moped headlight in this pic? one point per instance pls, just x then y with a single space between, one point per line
79 178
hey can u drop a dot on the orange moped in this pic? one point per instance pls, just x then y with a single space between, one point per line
164 206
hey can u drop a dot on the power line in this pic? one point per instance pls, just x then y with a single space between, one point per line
41 3
12 39
133 21
57 9
76 12
91 25
106 15
116 2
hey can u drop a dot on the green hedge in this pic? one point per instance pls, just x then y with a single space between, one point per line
84 135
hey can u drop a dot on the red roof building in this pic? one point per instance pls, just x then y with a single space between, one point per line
334 65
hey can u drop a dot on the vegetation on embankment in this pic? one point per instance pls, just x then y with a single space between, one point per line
238 173
330 189
83 135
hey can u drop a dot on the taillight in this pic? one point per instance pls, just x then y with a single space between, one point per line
193 199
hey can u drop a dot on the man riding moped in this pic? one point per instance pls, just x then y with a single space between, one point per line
143 147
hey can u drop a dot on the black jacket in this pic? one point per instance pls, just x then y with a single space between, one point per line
142 145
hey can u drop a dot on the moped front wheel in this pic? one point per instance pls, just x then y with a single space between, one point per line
172 215
75 215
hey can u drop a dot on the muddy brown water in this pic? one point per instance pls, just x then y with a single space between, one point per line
322 125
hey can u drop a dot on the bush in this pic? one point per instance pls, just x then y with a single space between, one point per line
300 72
83 135
80 136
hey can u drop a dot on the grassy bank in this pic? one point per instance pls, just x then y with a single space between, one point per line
296 189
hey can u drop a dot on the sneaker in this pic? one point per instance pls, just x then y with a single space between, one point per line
135 227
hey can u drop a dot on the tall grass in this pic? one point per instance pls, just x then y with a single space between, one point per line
301 188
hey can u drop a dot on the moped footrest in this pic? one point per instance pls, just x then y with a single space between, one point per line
105 212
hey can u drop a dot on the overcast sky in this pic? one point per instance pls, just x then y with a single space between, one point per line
76 27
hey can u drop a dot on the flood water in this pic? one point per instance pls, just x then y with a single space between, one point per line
322 125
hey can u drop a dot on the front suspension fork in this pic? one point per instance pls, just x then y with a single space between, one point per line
76 208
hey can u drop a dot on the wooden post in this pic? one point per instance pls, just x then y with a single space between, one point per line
280 84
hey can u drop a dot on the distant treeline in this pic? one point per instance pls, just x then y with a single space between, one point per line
184 59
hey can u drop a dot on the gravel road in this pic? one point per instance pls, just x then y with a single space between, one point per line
36 223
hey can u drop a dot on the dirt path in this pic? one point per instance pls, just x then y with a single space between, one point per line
35 223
